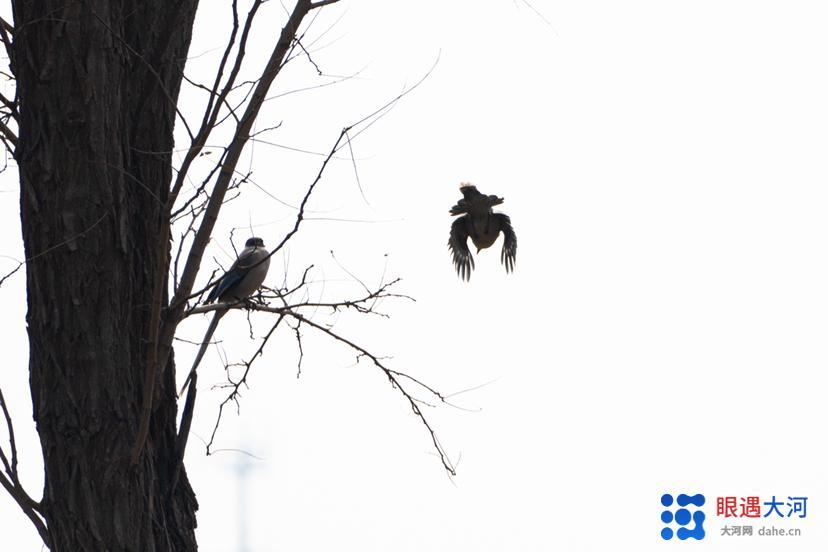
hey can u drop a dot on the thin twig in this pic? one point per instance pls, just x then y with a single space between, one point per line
236 385
393 377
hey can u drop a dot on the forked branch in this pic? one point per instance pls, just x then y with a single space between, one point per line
11 480
364 305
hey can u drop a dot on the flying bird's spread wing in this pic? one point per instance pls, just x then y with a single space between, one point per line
463 261
509 251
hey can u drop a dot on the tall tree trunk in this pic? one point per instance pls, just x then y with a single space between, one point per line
98 81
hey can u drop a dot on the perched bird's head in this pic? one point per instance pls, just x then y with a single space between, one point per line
254 242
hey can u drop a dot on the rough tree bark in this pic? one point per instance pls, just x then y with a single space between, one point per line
98 82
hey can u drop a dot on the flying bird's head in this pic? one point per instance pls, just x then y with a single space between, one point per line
254 242
474 202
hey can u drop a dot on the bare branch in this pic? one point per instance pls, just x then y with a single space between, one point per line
217 99
199 190
4 278
310 59
8 135
236 385
11 105
393 377
23 501
7 29
315 86
11 469
356 172
301 349
539 14
180 298
225 174
363 305
320 3
176 305
161 342
182 240
11 481
380 112
159 347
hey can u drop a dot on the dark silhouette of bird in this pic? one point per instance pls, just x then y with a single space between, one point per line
482 225
240 282
245 276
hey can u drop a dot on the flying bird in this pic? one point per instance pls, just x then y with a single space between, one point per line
240 282
482 225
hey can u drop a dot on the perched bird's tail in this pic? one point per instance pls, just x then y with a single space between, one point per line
204 343
189 404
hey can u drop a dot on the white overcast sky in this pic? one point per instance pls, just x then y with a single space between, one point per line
664 166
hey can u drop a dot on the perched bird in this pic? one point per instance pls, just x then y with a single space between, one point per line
240 282
245 276
482 225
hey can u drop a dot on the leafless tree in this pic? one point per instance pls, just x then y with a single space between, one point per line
90 127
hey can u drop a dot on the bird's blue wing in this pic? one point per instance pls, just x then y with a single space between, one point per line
247 260
230 279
